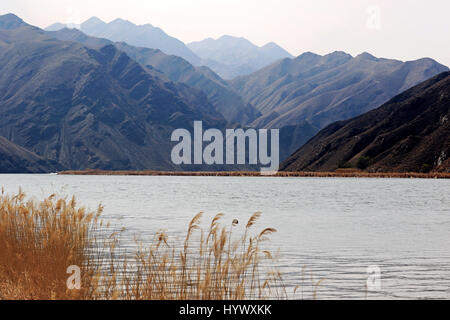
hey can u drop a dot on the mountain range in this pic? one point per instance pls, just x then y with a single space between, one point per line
228 56
410 133
219 92
284 91
146 36
325 89
314 90
82 101
90 108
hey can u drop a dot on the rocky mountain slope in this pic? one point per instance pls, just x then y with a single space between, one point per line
325 89
410 133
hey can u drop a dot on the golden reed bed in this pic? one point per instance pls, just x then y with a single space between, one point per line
41 240
336 174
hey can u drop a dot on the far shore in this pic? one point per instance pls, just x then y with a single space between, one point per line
336 174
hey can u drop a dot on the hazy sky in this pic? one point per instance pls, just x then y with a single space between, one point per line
400 29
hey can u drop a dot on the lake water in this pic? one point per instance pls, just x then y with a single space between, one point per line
331 229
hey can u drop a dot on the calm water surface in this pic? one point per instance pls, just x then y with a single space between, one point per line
331 229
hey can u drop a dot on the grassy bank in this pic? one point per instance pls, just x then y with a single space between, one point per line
42 240
336 174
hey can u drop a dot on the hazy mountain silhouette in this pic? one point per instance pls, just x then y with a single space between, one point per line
90 108
231 56
58 26
146 36
409 133
220 93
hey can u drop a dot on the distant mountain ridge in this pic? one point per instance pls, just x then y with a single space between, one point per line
410 133
227 56
146 36
232 56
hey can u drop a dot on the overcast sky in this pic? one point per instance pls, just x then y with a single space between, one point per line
400 29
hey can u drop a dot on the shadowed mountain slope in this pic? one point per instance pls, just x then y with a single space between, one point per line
15 159
410 133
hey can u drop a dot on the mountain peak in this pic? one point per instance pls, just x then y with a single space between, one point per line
307 55
229 38
272 46
366 56
122 22
93 22
11 21
339 54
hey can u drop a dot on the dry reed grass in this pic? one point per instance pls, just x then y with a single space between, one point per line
39 241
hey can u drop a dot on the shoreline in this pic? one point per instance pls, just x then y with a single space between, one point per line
336 174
